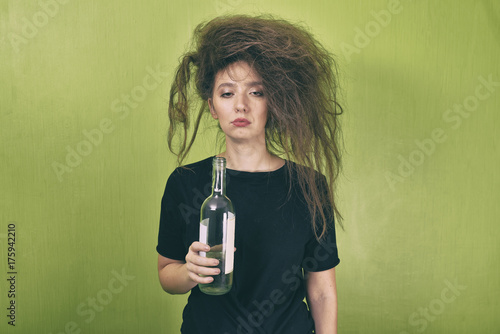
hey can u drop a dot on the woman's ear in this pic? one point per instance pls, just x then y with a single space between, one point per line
212 110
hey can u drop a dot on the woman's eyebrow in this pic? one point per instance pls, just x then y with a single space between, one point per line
226 84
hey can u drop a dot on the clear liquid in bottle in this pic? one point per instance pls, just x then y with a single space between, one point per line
217 225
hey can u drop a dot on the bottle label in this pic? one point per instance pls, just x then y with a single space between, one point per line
231 223
203 234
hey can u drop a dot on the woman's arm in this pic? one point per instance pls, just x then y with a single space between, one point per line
179 277
322 300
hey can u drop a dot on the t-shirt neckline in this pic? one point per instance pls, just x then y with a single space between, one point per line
257 174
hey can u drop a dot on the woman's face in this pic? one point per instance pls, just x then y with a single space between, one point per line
238 102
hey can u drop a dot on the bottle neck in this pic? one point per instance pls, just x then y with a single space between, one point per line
219 176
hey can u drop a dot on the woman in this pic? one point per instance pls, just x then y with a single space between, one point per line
272 88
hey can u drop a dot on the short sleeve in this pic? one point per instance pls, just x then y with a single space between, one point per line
171 231
322 255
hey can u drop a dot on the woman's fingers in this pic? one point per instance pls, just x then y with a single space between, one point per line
201 270
194 257
200 265
200 279
199 247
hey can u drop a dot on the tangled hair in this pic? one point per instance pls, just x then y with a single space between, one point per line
299 77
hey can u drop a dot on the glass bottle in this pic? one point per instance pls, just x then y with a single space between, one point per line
217 224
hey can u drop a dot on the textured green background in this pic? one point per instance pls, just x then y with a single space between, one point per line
415 221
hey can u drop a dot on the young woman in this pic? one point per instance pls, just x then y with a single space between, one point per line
272 88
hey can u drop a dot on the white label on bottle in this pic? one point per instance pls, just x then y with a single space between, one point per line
231 223
203 234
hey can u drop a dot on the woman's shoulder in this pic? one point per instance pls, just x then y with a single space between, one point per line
196 166
192 171
300 169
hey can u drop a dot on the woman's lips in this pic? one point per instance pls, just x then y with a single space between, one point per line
241 122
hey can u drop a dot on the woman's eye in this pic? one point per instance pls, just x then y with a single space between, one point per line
257 93
226 94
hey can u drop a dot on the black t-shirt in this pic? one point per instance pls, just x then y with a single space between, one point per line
274 241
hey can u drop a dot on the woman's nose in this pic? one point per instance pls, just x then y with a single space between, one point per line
241 104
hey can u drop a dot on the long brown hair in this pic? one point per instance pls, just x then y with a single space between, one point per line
300 79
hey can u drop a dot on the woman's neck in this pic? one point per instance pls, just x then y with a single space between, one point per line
250 158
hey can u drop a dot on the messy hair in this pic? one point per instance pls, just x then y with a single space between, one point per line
300 81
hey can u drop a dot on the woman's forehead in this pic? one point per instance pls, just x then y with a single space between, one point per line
239 71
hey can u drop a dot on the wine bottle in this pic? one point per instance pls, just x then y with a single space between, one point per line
217 225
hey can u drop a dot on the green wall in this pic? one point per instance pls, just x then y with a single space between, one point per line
83 160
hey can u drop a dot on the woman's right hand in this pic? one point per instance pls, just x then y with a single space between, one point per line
197 265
